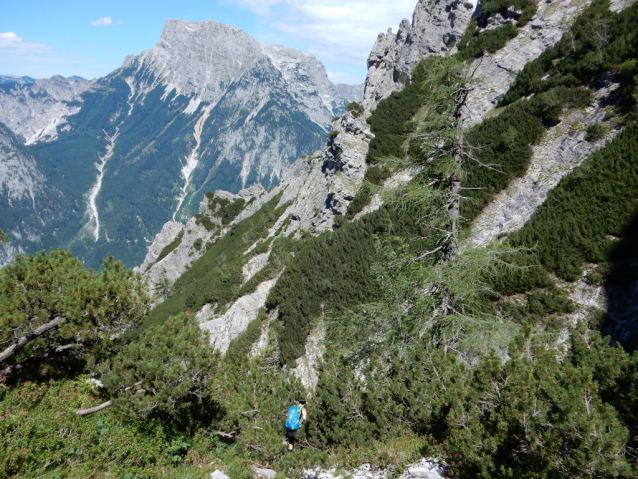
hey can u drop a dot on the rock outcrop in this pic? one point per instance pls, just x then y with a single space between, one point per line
562 148
498 71
426 468
436 26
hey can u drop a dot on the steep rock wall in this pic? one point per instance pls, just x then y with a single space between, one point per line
436 26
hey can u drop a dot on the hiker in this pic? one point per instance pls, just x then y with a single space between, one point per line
296 417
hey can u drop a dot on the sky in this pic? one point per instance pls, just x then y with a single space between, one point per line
42 38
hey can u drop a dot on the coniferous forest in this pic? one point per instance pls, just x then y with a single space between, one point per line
477 356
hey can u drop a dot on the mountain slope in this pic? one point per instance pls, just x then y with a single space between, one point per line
29 204
309 278
207 107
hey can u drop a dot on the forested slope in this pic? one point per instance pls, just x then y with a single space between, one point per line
483 356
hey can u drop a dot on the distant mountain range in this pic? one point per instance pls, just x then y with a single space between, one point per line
206 108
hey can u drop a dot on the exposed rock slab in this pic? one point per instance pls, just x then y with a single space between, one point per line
255 265
498 71
223 329
561 149
169 232
306 369
426 468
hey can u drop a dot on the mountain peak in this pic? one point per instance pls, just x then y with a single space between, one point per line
200 58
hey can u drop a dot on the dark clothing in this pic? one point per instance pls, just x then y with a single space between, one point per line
291 435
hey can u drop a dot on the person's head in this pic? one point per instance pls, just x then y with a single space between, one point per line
302 402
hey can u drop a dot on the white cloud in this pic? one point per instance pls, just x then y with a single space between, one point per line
106 22
336 31
39 60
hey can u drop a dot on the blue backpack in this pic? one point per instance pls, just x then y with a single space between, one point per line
293 421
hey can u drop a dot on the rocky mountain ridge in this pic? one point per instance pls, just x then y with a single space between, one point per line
38 110
435 29
207 107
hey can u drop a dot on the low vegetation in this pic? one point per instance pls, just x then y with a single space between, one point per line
471 355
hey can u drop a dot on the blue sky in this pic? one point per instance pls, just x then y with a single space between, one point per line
42 38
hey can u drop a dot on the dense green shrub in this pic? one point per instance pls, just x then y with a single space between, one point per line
500 419
42 434
332 271
390 121
170 372
49 303
599 41
590 207
355 108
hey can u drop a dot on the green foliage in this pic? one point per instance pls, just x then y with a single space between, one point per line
355 108
499 419
446 301
225 209
390 121
599 41
591 206
92 308
333 270
216 277
42 435
4 239
595 132
169 372
197 244
205 220
475 42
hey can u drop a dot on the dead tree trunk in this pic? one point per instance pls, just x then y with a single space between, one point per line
30 336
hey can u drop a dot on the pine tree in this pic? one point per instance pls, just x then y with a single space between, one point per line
50 304
169 372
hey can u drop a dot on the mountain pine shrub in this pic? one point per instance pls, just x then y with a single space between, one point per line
50 304
593 205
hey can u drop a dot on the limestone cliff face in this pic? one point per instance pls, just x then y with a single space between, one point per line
436 26
37 111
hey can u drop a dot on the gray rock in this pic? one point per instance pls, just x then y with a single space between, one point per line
561 149
263 473
218 475
426 468
226 327
436 26
37 110
497 72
